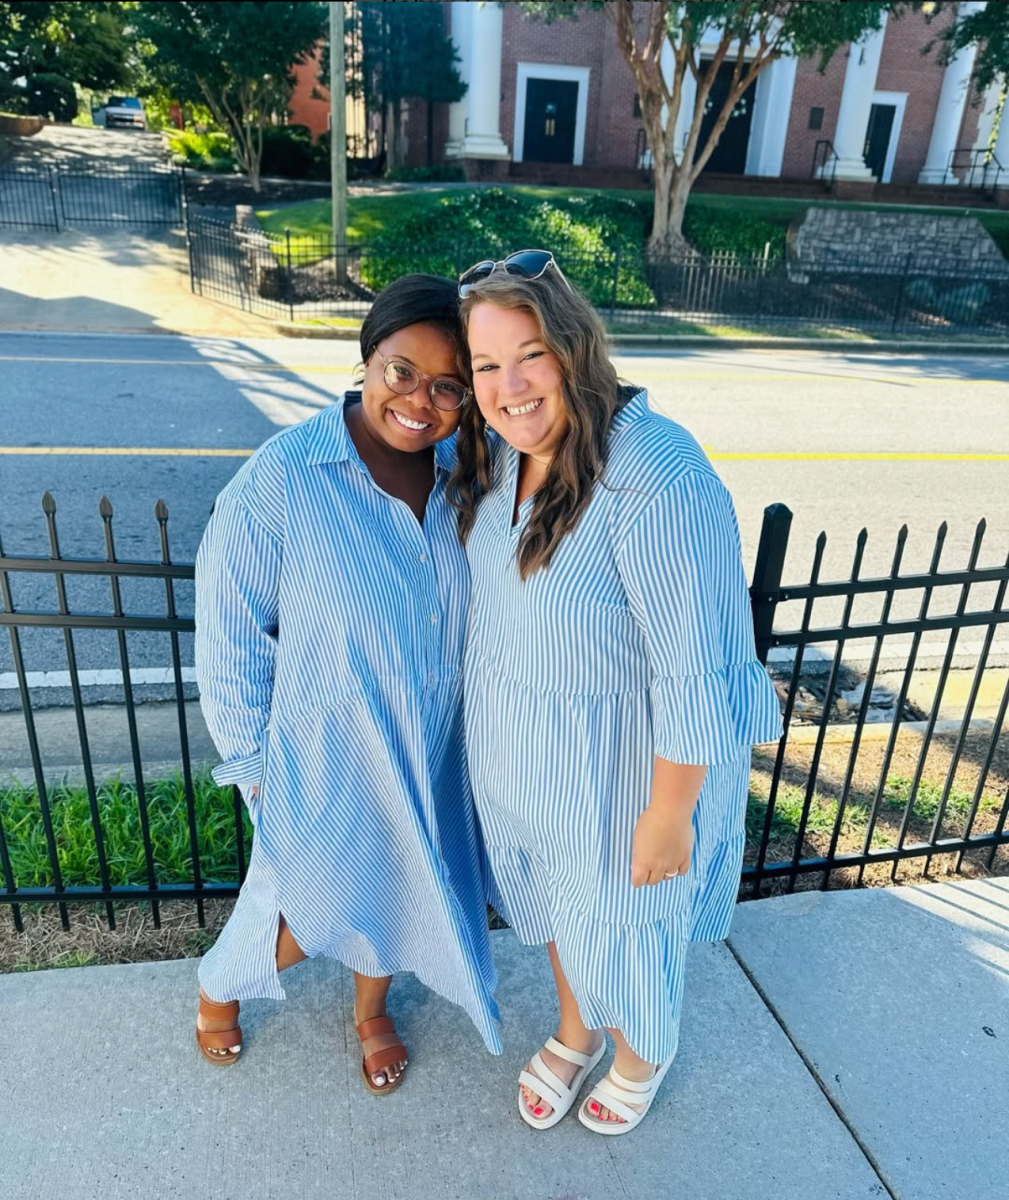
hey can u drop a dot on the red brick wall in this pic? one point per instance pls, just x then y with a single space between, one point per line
812 90
303 107
611 128
903 68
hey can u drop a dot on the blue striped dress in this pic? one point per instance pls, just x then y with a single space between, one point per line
329 639
636 641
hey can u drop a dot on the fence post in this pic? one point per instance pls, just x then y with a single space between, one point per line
53 197
767 574
184 202
900 293
290 276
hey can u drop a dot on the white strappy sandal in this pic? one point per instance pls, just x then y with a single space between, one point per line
616 1093
546 1084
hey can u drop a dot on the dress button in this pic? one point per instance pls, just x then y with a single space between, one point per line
434 618
423 558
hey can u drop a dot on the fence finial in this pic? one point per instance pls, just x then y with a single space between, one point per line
161 511
105 508
48 504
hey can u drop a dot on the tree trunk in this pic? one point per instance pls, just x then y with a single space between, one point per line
394 146
430 134
672 190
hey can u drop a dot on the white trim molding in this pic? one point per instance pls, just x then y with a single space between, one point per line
579 75
899 101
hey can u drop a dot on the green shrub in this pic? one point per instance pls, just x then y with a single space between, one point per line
586 234
288 151
717 231
439 173
206 151
52 96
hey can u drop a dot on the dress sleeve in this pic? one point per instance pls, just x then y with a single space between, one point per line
682 568
237 585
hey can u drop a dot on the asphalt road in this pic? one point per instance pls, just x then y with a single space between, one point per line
845 441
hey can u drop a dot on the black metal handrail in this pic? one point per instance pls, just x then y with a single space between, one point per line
824 160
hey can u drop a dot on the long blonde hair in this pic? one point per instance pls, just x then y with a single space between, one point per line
574 334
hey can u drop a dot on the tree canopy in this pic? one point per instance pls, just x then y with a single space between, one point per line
236 56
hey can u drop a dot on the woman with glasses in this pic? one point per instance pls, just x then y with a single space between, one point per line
612 689
331 602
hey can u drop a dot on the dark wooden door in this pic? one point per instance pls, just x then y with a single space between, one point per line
551 106
729 156
877 137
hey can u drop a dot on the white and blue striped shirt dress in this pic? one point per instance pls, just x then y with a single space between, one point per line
329 639
636 641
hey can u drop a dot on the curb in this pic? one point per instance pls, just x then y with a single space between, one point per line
828 345
696 341
331 332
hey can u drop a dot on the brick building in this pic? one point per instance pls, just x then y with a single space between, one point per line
559 101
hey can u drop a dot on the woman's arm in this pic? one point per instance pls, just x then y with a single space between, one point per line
237 588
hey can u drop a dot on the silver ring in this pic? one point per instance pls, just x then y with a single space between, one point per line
672 874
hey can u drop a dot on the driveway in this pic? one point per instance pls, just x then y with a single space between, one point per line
69 145
117 277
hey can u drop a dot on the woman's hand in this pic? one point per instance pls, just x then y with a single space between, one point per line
664 834
663 842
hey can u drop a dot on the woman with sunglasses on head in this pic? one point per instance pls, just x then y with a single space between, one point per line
612 689
331 601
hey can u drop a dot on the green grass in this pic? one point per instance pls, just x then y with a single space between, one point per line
118 807
117 803
823 810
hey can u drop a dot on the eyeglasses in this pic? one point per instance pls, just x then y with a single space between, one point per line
403 378
526 264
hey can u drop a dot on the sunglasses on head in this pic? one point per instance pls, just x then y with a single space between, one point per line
525 264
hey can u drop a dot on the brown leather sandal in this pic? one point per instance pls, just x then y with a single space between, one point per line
219 1039
381 1058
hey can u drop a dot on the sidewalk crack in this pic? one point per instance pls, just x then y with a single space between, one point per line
870 1158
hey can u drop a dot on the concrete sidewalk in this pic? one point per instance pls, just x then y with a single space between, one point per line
844 1046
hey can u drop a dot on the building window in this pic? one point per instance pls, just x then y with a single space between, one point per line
637 105
816 118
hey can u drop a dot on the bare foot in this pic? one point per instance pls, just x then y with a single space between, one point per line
585 1043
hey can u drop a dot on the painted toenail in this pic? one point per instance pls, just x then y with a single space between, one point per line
538 1112
593 1107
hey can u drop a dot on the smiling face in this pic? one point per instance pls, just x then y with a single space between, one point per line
517 380
410 422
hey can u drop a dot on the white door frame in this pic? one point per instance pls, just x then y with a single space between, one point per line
579 75
899 101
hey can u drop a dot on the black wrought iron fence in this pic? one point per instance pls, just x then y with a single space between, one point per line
846 821
306 278
91 192
810 824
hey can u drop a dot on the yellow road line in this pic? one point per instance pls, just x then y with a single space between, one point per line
155 451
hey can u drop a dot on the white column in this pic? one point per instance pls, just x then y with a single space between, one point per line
949 110
688 97
989 110
772 107
483 117
856 102
461 13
